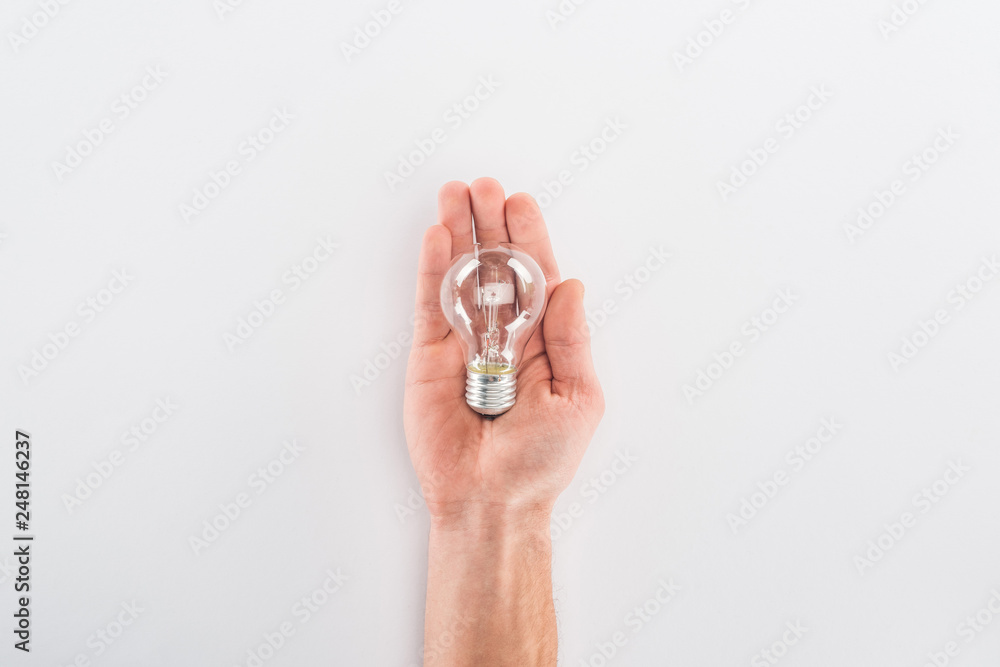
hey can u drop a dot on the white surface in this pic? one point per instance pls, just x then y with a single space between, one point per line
677 134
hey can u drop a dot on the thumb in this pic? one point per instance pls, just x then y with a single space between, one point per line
567 341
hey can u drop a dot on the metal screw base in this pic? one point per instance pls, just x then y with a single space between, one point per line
490 395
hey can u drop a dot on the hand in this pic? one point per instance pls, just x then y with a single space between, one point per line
523 459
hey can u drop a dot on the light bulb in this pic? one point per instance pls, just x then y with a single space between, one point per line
493 298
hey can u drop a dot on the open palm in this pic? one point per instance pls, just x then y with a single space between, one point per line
528 455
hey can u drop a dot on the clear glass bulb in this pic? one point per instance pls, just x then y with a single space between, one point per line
493 298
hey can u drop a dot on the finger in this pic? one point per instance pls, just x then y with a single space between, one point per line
567 342
527 230
455 213
487 211
430 324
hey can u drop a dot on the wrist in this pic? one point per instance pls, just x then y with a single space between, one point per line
489 585
490 518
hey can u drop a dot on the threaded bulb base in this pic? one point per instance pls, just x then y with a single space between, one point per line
490 394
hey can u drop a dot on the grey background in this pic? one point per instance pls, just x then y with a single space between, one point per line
340 504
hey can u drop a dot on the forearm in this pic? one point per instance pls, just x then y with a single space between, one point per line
489 589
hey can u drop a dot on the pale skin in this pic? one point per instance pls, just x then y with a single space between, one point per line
490 484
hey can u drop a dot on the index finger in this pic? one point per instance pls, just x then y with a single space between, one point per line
528 231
